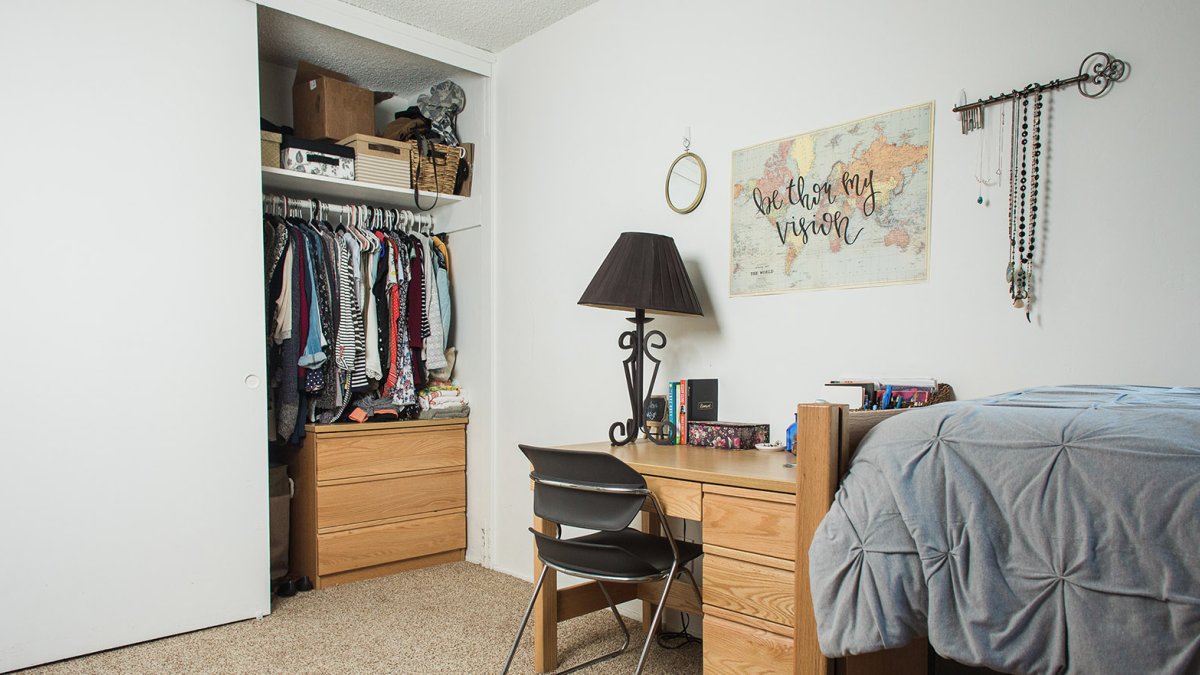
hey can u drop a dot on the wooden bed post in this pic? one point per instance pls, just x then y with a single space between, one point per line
819 447
826 438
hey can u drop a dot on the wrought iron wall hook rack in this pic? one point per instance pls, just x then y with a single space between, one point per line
1097 73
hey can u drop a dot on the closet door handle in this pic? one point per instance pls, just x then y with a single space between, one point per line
251 381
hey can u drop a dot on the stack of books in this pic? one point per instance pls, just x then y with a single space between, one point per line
690 401
881 393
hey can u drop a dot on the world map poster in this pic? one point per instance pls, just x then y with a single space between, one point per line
840 207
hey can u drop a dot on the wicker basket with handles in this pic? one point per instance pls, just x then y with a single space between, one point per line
394 163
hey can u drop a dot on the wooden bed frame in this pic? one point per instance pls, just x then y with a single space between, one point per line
826 438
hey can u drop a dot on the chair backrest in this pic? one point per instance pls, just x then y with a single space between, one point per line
592 490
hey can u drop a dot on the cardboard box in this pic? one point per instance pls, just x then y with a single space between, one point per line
325 106
731 435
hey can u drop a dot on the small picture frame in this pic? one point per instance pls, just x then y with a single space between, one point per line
656 414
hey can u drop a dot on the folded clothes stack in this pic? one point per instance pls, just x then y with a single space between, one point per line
442 401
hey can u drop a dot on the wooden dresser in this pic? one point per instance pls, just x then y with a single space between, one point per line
378 498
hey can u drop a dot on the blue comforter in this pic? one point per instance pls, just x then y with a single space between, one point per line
1050 530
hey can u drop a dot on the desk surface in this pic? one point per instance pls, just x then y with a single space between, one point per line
751 469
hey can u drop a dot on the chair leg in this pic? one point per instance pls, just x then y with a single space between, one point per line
616 614
529 610
653 627
610 655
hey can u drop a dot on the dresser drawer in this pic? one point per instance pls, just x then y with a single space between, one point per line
678 498
365 454
389 498
367 546
758 526
735 649
748 588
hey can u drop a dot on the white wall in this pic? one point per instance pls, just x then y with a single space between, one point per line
590 114
133 482
472 330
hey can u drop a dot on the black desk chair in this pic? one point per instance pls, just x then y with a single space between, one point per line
596 491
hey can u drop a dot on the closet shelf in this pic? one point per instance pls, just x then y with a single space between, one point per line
294 183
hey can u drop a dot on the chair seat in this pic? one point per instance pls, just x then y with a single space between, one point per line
630 553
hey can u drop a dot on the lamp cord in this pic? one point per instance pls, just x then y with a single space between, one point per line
679 638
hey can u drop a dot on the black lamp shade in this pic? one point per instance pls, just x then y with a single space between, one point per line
643 271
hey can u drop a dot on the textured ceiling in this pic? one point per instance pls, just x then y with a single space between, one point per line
490 25
283 39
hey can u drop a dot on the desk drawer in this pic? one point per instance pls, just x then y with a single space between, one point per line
735 649
366 454
368 546
678 498
758 526
747 588
390 498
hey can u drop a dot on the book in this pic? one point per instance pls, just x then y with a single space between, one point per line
673 409
702 400
683 417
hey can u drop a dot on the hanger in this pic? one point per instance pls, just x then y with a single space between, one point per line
358 232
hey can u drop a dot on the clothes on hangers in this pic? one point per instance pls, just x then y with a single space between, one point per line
354 315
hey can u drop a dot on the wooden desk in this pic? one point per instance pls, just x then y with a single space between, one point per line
759 519
746 500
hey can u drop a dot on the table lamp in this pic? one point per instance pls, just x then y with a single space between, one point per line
642 273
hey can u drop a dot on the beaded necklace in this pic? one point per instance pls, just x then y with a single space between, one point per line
1024 181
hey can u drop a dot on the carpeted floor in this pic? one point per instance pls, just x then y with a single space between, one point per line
457 618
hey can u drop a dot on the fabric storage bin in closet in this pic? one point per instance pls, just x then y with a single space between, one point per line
318 158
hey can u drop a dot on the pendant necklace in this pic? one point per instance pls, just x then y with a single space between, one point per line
981 171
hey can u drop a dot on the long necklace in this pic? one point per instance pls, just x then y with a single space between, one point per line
1015 202
1024 181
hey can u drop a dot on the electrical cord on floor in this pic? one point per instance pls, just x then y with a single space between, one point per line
679 638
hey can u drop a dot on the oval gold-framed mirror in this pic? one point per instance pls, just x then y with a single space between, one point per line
686 180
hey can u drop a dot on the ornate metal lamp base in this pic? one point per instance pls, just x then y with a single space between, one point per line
639 342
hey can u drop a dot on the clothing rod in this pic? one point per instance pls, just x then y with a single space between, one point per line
462 229
1099 69
310 203
420 219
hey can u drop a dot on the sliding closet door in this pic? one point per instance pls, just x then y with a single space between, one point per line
133 499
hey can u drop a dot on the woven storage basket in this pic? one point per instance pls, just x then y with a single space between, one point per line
270 148
382 160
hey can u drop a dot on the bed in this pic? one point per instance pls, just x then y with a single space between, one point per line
1048 530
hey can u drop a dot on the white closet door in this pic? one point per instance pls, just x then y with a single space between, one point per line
133 498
